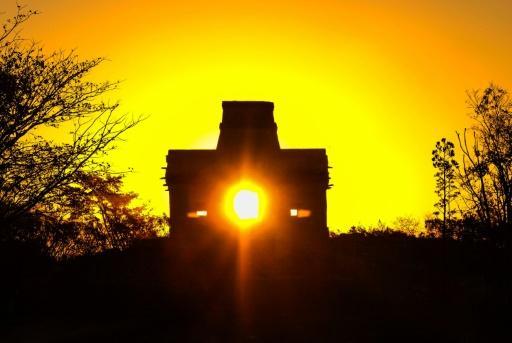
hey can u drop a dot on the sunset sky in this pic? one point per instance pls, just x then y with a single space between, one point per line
376 83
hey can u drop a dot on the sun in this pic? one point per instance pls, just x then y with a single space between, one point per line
244 203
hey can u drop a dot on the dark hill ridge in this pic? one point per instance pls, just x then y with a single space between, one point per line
349 288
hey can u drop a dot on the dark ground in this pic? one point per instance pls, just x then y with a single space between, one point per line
347 289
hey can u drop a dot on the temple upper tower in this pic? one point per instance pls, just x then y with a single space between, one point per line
248 127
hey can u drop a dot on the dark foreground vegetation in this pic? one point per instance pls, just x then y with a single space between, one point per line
351 288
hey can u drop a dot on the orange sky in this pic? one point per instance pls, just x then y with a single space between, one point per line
375 83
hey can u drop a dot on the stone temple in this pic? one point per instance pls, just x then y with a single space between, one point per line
248 181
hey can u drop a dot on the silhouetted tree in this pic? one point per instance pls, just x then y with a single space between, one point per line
486 172
458 228
443 160
38 90
408 225
405 227
93 214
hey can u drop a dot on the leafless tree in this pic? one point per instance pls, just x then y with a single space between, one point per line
486 168
37 90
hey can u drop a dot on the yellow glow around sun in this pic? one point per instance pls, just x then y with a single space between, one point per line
245 203
376 83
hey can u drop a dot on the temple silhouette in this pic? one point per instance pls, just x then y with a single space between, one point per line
292 183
